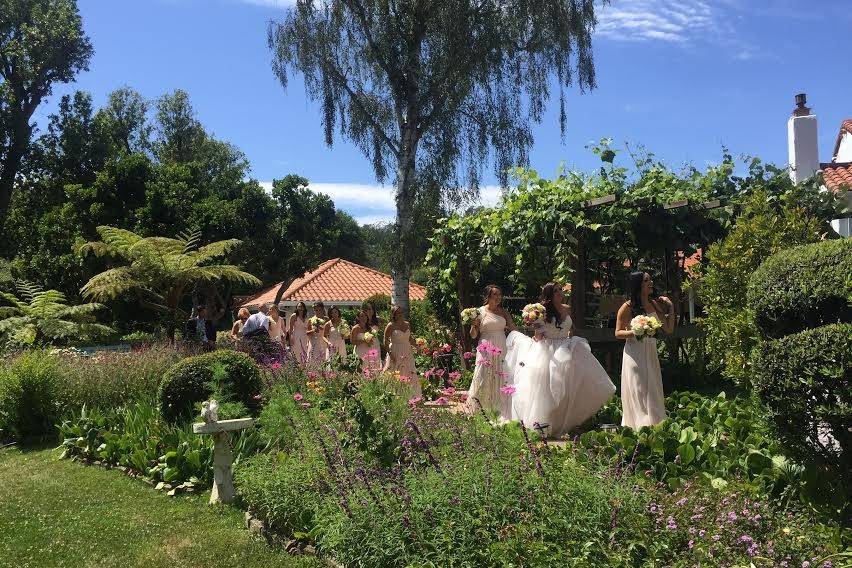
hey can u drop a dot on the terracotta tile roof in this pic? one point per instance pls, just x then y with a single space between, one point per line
845 127
334 280
837 176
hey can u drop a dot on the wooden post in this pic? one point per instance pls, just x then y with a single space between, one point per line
578 285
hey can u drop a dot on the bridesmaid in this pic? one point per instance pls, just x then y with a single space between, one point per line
298 333
362 347
642 396
277 326
334 341
489 373
317 348
399 345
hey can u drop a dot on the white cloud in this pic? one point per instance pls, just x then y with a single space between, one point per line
373 203
662 20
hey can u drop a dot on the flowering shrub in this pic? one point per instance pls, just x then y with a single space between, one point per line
713 528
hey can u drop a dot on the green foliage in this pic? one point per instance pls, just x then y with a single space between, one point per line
803 287
29 387
718 438
191 381
805 379
159 271
108 380
138 438
761 230
39 317
42 43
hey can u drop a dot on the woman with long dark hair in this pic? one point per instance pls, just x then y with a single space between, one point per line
399 345
299 333
559 384
489 374
642 396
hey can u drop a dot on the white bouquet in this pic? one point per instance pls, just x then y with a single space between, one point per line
344 329
644 326
469 315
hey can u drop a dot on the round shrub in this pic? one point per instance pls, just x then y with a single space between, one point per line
189 382
803 287
28 396
805 380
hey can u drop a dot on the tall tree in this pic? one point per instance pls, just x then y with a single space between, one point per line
41 43
427 89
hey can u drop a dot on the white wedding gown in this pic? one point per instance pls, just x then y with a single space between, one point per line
558 383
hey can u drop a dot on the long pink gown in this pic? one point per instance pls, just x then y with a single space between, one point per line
403 360
338 344
362 349
299 341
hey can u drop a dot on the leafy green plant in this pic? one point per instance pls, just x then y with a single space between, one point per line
805 380
761 230
29 387
39 317
803 287
190 381
160 272
137 438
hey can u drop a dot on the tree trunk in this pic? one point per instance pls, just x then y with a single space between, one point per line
406 191
20 134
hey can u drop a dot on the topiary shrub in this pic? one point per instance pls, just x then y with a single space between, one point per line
188 382
28 396
803 287
805 379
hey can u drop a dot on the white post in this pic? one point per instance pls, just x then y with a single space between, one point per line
223 458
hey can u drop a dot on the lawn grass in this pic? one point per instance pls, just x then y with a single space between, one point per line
57 513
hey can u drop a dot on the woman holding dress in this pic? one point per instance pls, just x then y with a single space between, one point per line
367 351
558 382
489 374
400 347
642 396
299 333
331 335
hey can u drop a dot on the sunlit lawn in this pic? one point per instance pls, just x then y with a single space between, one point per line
58 513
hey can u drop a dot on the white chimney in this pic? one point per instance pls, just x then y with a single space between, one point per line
802 141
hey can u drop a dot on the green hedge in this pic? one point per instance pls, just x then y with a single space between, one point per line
803 287
805 379
29 388
188 382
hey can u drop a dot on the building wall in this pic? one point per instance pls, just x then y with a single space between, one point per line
844 152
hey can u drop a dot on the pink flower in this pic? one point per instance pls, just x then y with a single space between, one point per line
467 355
440 372
484 346
454 376
429 372
312 375
442 401
508 389
447 347
298 396
415 401
372 354
404 379
463 397
275 366
449 391
484 362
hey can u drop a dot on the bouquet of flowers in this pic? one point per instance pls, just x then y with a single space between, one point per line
368 337
469 315
344 329
644 326
316 321
533 315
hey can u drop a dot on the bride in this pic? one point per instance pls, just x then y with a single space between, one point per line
558 382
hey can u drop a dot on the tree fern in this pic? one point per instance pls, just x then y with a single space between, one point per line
38 316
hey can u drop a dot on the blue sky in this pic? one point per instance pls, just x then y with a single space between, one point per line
682 77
